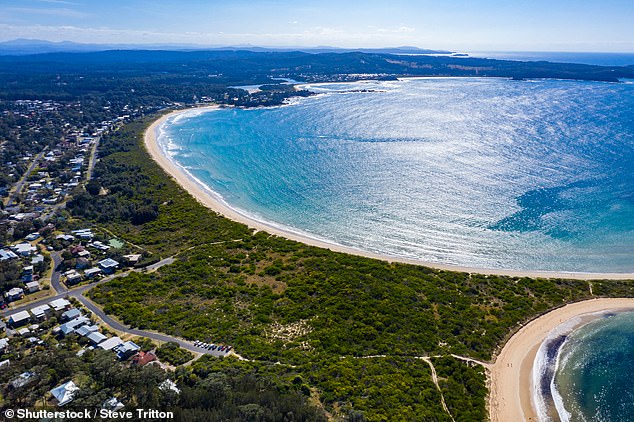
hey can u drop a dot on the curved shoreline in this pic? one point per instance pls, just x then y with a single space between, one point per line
511 388
203 196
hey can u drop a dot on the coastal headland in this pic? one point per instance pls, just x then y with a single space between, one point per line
214 202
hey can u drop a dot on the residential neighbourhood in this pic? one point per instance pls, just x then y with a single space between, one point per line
46 261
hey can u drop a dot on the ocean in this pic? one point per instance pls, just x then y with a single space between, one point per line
590 370
477 172
600 59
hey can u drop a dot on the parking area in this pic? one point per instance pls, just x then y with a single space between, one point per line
212 349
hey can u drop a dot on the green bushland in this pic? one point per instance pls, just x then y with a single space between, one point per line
173 354
463 387
279 300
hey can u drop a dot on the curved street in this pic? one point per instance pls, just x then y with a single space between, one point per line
78 293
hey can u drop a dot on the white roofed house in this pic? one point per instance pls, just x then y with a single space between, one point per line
19 318
4 342
72 326
110 344
71 314
64 393
24 249
72 277
92 272
6 254
15 293
32 286
41 312
125 350
112 404
59 304
37 259
169 385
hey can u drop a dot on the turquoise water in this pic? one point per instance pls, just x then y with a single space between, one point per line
487 173
596 366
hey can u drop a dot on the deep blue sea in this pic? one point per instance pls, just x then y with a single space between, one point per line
593 380
478 172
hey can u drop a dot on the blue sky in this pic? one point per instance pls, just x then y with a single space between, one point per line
554 25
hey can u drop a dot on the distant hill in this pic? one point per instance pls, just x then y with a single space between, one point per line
23 46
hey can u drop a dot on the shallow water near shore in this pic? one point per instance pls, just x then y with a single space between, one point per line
484 173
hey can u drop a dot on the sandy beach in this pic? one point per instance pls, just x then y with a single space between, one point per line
214 203
511 386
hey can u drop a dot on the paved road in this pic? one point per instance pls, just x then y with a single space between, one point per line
78 293
20 184
92 159
57 275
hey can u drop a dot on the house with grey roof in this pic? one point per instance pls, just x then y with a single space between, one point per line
71 314
125 350
96 338
72 326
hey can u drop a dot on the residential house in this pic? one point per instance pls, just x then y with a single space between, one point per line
169 385
64 393
112 404
37 259
41 312
71 314
125 350
92 272
24 249
143 358
84 330
72 277
72 326
82 263
19 318
132 259
59 304
110 344
22 380
96 338
6 254
108 265
15 293
32 286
